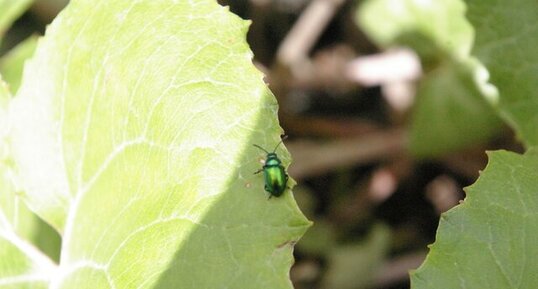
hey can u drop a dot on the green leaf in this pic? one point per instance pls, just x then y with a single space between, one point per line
10 10
489 240
431 27
21 220
12 64
146 112
353 266
16 215
21 265
506 41
451 111
319 240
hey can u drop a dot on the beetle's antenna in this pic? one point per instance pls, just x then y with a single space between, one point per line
283 138
260 148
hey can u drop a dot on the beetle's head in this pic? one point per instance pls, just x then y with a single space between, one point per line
272 160
272 156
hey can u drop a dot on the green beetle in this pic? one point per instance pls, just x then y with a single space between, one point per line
274 173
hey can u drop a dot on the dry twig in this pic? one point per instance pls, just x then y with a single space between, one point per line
313 158
306 31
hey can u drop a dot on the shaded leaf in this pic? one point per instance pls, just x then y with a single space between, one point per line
506 41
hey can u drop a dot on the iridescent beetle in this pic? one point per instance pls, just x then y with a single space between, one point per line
274 173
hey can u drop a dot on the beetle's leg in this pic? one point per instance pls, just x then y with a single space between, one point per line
258 171
270 196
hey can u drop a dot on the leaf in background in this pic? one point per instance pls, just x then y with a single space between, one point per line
319 240
21 265
439 33
12 64
489 241
450 112
353 266
10 10
146 112
435 26
506 42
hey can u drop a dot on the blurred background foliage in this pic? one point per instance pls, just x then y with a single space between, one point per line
386 117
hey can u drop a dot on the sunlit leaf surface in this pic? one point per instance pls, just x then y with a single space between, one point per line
145 113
